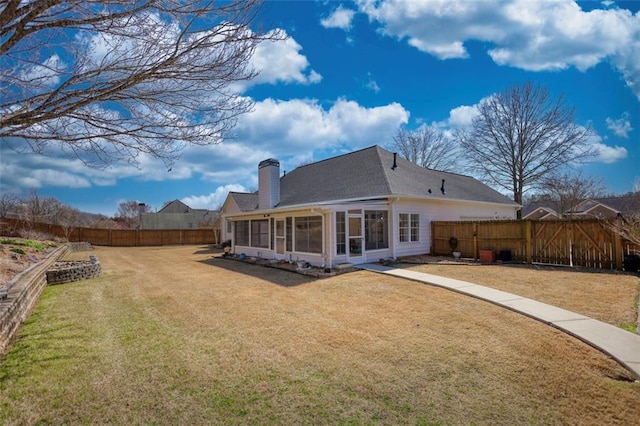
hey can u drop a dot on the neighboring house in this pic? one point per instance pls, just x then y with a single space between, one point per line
591 208
178 215
354 208
540 210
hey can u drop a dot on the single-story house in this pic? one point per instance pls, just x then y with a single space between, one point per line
353 208
178 215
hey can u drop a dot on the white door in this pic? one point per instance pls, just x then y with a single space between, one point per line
280 236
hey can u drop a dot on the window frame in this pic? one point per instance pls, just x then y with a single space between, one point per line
409 227
244 227
371 223
341 233
304 241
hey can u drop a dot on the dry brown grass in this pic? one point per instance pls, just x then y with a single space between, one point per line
607 296
170 335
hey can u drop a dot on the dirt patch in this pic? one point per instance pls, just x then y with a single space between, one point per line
18 254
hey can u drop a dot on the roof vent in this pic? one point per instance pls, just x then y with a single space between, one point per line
442 187
395 165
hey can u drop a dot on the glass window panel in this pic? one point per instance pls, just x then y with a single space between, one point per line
341 244
308 234
260 233
241 237
376 229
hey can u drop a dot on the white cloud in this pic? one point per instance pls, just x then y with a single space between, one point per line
462 116
621 126
532 35
605 153
371 84
284 127
213 200
340 18
46 74
24 171
609 154
280 61
292 131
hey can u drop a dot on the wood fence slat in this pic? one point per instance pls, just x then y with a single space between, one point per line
113 237
575 243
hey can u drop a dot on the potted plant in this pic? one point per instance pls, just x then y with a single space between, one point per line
226 247
453 243
487 256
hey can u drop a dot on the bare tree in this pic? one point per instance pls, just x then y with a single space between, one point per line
69 219
9 203
129 212
106 80
566 190
39 209
628 226
522 135
427 147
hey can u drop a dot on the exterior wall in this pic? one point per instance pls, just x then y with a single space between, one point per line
316 259
427 209
229 208
441 211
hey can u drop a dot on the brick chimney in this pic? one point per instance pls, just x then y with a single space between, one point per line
268 183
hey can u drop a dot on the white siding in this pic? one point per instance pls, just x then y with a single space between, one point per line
429 210
441 211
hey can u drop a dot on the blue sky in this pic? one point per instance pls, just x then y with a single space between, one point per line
350 74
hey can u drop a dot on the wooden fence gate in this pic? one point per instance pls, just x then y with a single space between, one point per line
589 244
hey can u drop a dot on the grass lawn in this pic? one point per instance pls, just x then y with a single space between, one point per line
609 296
171 335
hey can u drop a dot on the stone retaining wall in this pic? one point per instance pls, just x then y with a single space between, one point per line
67 271
22 292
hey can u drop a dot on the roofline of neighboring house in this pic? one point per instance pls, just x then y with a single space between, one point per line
549 211
597 204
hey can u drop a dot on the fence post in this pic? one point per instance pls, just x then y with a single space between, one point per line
529 241
475 240
618 253
433 227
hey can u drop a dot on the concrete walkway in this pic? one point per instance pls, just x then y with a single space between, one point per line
622 345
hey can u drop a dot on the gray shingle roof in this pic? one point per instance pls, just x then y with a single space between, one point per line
246 201
368 174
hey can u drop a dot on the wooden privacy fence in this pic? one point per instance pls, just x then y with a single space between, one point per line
588 243
113 237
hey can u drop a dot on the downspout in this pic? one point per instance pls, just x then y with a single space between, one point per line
326 218
392 224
